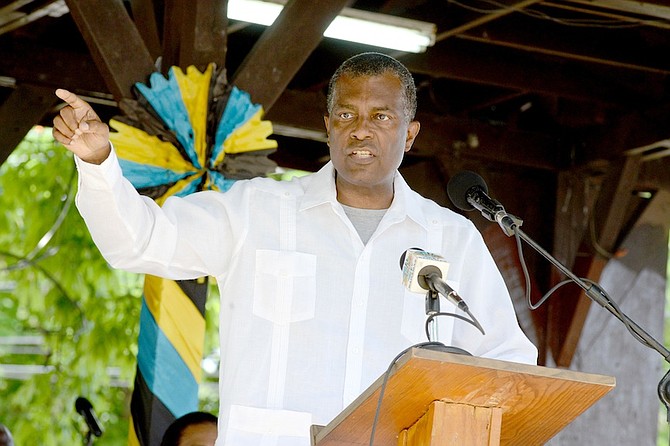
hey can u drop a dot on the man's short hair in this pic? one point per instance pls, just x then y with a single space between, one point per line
374 64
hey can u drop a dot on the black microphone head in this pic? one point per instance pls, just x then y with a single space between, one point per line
82 405
460 185
85 409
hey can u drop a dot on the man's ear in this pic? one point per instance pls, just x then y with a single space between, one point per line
412 131
326 120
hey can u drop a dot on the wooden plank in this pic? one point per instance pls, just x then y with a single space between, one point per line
24 107
476 61
194 33
524 393
513 7
283 48
576 194
114 42
480 426
613 200
50 67
144 16
177 19
11 18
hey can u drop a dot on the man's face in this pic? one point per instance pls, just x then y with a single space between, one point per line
367 132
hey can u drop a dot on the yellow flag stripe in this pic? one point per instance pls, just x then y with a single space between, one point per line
250 136
178 318
132 436
194 89
138 146
178 187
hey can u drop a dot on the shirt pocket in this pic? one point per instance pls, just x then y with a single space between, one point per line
284 286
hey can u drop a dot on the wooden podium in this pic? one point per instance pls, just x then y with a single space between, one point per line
435 398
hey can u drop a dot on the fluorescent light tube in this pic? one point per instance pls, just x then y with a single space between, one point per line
352 25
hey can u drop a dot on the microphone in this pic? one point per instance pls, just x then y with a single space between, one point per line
468 191
423 271
85 409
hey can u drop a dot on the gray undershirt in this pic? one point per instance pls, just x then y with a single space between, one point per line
364 220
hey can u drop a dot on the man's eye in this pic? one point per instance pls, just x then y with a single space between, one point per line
345 115
383 117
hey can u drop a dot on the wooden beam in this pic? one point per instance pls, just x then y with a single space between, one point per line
613 200
194 33
283 48
26 105
11 18
576 194
472 139
504 10
52 67
632 131
144 16
114 42
477 61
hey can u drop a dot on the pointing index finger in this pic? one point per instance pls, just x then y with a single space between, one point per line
72 99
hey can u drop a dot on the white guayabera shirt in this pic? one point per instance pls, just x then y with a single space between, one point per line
310 316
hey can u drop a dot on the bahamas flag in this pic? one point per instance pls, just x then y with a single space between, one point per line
184 133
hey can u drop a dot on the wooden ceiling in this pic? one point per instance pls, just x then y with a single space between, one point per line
563 106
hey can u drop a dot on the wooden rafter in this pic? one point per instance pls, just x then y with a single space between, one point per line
11 18
568 310
114 43
26 105
283 48
194 33
144 16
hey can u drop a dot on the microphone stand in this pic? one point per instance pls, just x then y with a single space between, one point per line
432 307
595 293
89 438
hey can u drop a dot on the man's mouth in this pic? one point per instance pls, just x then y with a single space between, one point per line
362 153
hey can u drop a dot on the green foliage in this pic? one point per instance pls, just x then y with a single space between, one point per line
85 313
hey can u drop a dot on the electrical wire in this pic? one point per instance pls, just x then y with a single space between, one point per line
590 23
387 374
610 304
472 322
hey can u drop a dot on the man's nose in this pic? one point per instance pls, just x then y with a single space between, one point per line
361 129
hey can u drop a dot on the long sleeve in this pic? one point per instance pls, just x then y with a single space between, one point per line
184 239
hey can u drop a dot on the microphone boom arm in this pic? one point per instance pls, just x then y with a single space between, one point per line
595 293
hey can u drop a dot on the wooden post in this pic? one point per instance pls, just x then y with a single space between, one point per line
476 426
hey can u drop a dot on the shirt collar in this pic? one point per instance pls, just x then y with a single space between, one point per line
320 189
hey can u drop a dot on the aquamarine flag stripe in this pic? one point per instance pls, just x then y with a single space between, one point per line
165 98
163 369
144 175
239 109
